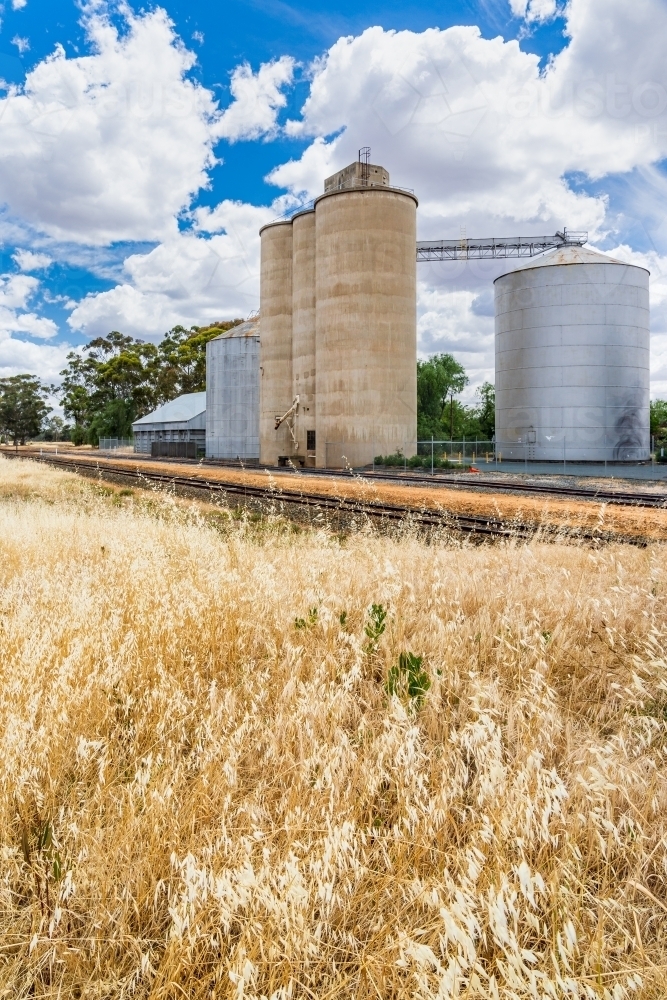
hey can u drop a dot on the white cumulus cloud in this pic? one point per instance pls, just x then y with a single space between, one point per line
536 10
109 146
22 44
46 361
19 4
27 260
188 279
258 98
15 317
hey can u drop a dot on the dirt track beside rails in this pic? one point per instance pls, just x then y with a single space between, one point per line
563 513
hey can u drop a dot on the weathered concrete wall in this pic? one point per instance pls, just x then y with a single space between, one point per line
303 330
275 340
572 359
366 332
356 175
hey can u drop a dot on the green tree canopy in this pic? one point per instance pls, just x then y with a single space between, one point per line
108 386
181 359
659 418
23 407
117 379
485 412
438 380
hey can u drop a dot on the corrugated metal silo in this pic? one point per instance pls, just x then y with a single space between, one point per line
275 341
232 393
303 333
366 327
572 359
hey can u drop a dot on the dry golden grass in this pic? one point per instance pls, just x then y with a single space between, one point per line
208 792
568 515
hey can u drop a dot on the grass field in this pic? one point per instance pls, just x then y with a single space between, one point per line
224 774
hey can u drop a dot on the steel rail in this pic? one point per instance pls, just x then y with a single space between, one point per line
466 523
619 497
599 495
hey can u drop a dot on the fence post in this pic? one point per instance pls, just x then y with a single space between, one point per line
431 454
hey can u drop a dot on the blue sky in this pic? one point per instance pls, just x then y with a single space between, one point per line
142 148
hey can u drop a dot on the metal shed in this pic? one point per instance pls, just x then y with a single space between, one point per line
182 420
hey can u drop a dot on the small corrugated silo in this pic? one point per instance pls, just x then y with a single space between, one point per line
276 341
232 393
572 359
303 334
366 325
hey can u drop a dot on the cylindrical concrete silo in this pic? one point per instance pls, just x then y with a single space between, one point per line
232 393
303 332
275 341
572 359
366 327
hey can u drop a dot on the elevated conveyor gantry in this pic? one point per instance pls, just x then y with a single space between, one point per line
497 247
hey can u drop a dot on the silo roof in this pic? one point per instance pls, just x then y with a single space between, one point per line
572 254
181 409
248 329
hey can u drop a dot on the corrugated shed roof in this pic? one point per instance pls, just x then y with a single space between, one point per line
248 329
181 409
568 255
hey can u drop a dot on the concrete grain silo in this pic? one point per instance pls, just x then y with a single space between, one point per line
303 334
338 302
232 393
572 359
366 326
275 341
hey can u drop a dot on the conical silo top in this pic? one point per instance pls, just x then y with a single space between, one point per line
568 254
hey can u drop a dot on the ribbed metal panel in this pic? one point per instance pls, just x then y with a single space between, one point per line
232 398
572 359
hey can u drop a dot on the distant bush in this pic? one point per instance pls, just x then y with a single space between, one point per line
417 462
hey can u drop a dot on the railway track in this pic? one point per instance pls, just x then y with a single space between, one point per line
632 498
629 498
341 510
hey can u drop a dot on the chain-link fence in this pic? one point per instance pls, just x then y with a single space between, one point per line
430 455
509 456
114 444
